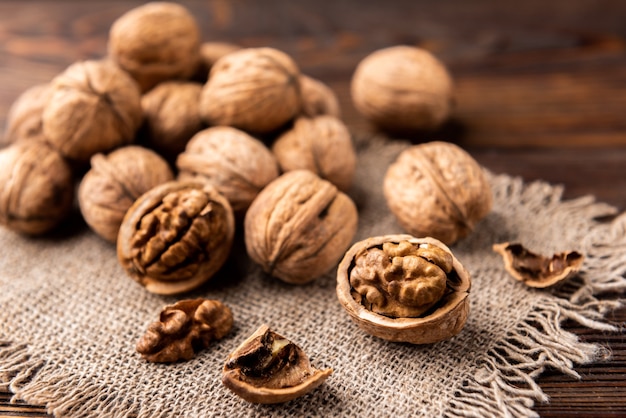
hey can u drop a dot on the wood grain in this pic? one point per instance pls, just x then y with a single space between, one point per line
540 93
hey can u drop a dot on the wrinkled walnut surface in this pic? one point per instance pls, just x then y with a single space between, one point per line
402 88
536 270
155 42
176 236
183 329
113 184
437 189
36 187
323 145
267 368
95 106
238 165
210 53
317 98
299 226
383 278
254 89
24 120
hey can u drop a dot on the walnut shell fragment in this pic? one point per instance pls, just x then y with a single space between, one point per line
267 368
185 328
402 288
176 236
536 270
298 227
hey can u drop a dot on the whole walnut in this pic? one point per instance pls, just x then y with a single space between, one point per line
95 106
238 165
402 88
24 117
156 42
437 189
113 184
322 145
299 226
318 98
171 116
254 89
36 187
210 52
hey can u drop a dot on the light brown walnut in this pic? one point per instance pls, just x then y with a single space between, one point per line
210 53
113 184
24 120
317 98
237 164
323 145
437 189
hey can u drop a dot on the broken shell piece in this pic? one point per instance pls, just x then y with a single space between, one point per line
536 270
267 368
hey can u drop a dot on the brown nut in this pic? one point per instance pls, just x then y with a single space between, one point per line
156 42
437 189
238 165
183 329
317 98
402 288
298 227
254 89
402 88
36 187
95 107
176 236
171 116
24 117
210 53
322 145
536 270
267 368
113 184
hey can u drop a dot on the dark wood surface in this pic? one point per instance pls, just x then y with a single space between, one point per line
541 93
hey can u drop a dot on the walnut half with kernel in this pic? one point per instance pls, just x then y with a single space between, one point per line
402 288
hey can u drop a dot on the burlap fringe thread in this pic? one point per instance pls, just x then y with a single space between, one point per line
504 386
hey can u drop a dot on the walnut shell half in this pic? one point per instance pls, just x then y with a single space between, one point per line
405 269
536 270
267 368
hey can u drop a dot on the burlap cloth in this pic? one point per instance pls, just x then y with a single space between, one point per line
70 319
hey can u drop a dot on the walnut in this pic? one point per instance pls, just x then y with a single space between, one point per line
24 117
402 88
536 270
36 187
176 236
254 89
267 368
113 184
238 165
171 116
183 329
94 107
402 288
322 145
437 189
156 42
298 227
210 52
318 98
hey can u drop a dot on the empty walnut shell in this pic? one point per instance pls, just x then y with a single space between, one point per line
185 328
323 145
24 120
400 275
95 106
254 89
317 98
238 165
267 368
113 184
536 270
156 42
402 88
298 227
437 189
176 236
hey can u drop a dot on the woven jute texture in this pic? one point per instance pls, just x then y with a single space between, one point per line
70 319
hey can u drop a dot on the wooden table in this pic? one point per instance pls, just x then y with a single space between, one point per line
541 90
